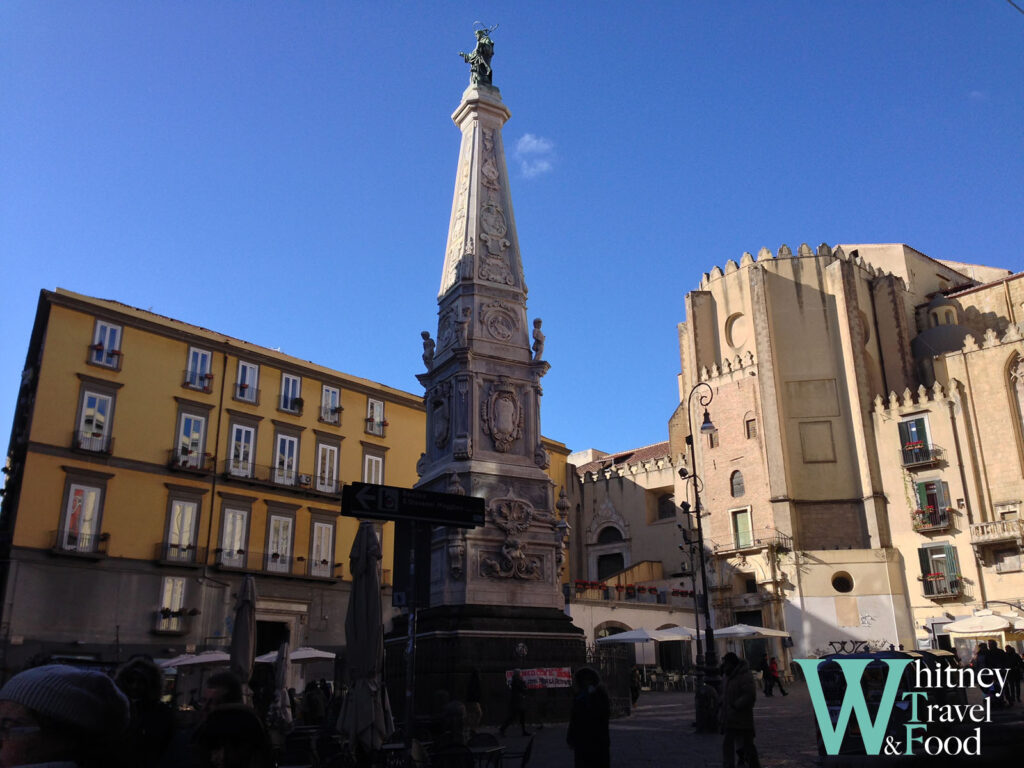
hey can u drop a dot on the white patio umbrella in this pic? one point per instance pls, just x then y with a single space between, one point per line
204 659
366 713
747 632
677 633
303 655
632 636
980 624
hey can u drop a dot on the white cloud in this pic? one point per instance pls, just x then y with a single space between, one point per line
977 96
535 155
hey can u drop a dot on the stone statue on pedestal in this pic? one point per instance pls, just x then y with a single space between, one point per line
480 59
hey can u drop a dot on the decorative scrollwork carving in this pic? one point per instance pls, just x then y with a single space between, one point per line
502 415
499 320
511 563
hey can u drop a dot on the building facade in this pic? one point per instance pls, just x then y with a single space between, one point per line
832 375
153 463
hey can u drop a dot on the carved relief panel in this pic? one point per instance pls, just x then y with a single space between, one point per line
502 414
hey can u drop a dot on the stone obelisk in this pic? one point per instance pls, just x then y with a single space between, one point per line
496 600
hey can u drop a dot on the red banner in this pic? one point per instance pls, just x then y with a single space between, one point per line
544 677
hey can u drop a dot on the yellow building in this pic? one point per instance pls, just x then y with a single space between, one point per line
153 463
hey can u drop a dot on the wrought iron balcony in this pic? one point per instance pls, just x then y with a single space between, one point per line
107 358
173 622
247 394
93 442
180 554
278 563
291 405
331 414
769 539
201 381
87 545
996 532
280 476
920 454
187 460
941 585
931 520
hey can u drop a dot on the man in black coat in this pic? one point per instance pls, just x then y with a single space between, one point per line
738 696
588 723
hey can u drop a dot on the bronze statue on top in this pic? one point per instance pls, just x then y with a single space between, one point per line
480 59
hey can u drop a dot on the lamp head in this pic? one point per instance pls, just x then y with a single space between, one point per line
707 427
683 473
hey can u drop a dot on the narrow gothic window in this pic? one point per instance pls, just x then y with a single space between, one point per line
736 484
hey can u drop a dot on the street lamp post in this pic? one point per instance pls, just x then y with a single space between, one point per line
704 704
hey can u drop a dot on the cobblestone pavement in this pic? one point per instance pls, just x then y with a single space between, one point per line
659 733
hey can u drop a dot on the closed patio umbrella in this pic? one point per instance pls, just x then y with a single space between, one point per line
204 659
366 714
243 634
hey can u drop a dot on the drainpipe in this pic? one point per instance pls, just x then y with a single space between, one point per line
213 480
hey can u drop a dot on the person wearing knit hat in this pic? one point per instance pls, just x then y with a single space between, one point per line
61 716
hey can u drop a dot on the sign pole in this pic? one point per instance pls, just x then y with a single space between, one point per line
410 648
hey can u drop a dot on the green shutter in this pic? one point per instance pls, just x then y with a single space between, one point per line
922 496
952 563
926 566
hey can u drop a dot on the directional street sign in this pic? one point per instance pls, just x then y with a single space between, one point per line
384 502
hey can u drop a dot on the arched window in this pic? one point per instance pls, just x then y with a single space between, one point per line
736 484
609 535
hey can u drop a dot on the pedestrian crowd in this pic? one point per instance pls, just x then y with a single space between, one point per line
990 656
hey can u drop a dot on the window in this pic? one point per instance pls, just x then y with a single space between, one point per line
279 543
609 535
743 534
181 531
234 536
750 428
940 570
94 422
327 468
80 528
373 468
172 605
198 374
1007 560
243 449
286 459
666 507
106 345
932 495
736 484
914 439
321 553
248 382
375 422
191 442
291 393
610 564
713 439
330 405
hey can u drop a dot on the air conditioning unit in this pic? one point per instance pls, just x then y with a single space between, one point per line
305 479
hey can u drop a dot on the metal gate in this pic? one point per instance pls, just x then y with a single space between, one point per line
614 662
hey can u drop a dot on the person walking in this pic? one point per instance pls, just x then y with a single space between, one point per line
634 685
738 696
1016 664
765 670
516 703
587 734
773 678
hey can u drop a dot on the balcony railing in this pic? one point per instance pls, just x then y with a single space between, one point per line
330 414
201 381
90 545
108 358
920 454
932 519
632 593
176 622
938 585
278 563
186 460
247 394
374 427
291 404
93 442
996 531
180 554
280 476
769 539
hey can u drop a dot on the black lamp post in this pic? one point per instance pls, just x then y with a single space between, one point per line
705 709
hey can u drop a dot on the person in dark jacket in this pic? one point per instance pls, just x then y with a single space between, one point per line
588 722
516 703
474 709
151 722
1013 682
738 696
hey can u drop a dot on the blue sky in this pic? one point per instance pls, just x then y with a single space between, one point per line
283 172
